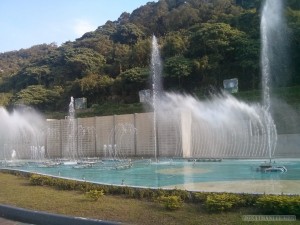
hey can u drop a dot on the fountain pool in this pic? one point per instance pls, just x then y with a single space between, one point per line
181 128
182 174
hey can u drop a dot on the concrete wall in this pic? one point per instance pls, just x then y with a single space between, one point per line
104 134
169 135
124 132
133 135
86 140
107 136
54 139
288 146
144 134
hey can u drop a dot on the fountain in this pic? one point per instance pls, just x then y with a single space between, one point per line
156 69
71 152
21 135
220 127
271 30
181 130
13 154
182 126
272 52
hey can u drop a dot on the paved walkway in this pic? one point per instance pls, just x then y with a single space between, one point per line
10 222
245 186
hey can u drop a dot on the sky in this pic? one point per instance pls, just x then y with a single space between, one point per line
24 23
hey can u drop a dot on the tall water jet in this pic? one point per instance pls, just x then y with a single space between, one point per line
156 70
272 37
72 132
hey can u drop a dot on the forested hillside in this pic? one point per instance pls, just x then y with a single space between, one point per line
202 43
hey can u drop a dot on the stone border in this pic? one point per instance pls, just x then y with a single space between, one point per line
42 218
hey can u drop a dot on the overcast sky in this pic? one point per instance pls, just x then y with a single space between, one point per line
25 23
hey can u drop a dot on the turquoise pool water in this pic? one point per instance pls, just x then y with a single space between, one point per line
171 172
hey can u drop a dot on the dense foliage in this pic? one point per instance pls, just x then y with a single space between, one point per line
202 42
279 204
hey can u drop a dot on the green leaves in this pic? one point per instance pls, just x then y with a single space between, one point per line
82 61
175 43
171 202
127 33
135 75
222 202
5 99
178 66
279 204
38 96
94 194
133 80
212 38
94 84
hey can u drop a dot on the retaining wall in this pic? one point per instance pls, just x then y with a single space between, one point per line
134 135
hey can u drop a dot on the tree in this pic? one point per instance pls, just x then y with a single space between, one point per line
82 61
249 3
99 43
293 20
150 17
175 43
249 22
128 33
293 4
178 67
95 86
39 97
182 17
31 75
247 58
201 68
224 10
134 80
38 74
219 43
140 53
5 99
118 59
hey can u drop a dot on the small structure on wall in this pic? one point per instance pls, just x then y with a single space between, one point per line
145 96
231 85
80 103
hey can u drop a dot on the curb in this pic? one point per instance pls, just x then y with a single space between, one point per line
42 218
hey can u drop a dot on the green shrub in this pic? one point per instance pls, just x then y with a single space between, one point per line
171 202
149 194
245 199
35 180
248 199
116 190
129 191
222 202
160 192
200 197
94 194
142 193
279 204
183 194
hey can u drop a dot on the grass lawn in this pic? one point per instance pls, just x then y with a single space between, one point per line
17 191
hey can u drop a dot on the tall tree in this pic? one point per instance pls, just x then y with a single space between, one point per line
218 42
175 43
